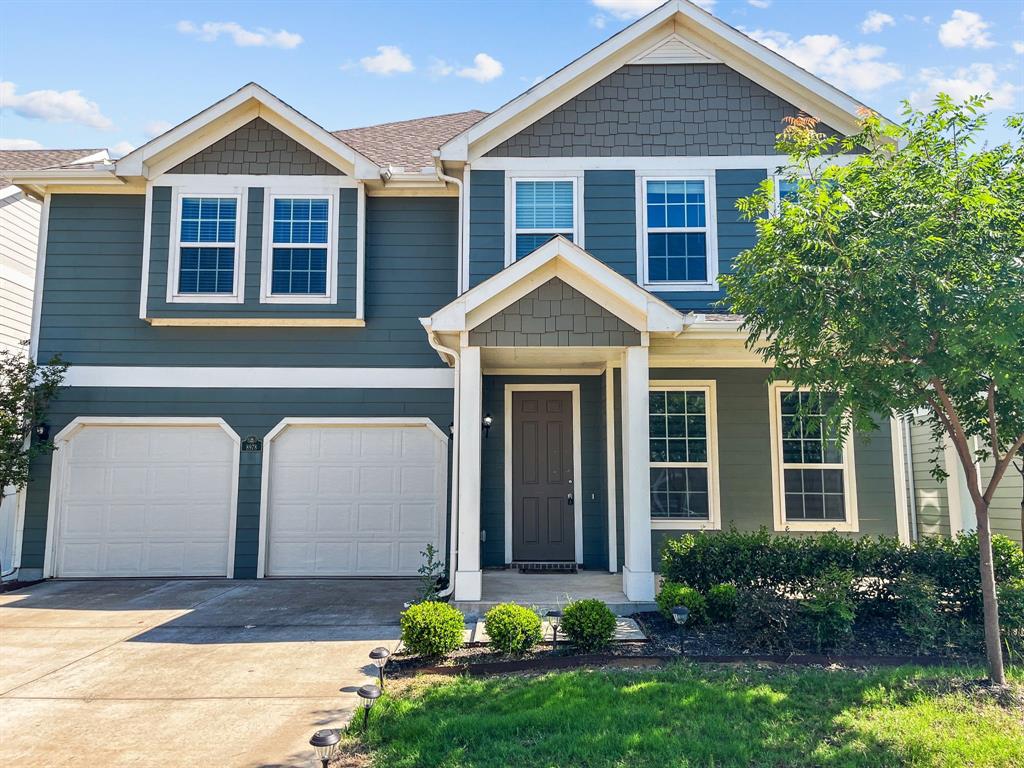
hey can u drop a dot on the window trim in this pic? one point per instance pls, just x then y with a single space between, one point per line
237 295
852 522
710 228
777 178
266 258
511 181
709 388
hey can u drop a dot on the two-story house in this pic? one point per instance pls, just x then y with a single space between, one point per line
305 353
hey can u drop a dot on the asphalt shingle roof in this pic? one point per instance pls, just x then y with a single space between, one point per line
37 159
409 144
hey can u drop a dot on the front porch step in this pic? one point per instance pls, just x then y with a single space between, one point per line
546 568
476 610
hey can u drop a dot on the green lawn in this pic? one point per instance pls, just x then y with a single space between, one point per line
688 715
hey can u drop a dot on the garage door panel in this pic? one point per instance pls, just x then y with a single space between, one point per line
146 501
378 500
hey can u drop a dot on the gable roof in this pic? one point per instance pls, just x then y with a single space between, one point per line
409 144
676 23
35 159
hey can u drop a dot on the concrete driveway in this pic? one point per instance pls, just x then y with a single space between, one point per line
185 672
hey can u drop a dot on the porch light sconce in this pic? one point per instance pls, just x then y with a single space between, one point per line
325 743
380 656
368 694
488 420
42 431
451 429
554 618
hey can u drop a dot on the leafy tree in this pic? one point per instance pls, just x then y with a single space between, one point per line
25 391
895 283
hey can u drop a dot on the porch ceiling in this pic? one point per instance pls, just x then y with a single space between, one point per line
497 360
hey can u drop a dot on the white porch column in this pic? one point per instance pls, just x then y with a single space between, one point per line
637 576
468 582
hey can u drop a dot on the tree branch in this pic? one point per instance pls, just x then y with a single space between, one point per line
993 433
959 437
1001 466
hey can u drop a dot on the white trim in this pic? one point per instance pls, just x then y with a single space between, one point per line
962 514
37 294
237 296
511 188
297 421
59 462
899 476
710 389
268 245
467 175
710 229
611 482
848 465
257 378
682 164
679 51
360 251
577 460
280 184
147 235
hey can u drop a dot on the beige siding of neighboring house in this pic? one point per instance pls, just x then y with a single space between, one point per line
19 237
932 497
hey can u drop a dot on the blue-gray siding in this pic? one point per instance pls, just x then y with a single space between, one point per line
90 309
486 225
247 411
593 475
157 305
609 216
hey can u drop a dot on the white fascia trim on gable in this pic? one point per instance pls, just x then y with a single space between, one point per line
249 101
202 377
567 261
691 24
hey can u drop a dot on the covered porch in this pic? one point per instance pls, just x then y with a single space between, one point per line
546 592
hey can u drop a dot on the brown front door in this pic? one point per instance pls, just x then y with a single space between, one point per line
543 526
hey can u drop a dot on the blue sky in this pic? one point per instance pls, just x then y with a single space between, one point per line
115 74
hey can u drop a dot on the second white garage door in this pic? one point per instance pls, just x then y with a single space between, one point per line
354 499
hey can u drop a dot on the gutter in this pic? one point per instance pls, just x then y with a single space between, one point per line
450 355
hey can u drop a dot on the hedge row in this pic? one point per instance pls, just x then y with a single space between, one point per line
789 565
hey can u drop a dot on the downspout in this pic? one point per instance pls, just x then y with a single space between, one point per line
453 533
908 460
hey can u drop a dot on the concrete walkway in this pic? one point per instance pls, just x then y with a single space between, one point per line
185 673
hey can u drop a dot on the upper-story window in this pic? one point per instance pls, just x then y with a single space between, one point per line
542 209
300 255
813 468
205 256
677 235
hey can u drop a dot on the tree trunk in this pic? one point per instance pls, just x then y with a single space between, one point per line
993 642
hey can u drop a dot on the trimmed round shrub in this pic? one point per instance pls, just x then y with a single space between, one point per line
673 595
589 624
432 629
512 628
722 600
764 621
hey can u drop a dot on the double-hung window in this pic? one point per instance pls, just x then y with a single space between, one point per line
683 455
677 238
813 467
205 264
300 262
542 209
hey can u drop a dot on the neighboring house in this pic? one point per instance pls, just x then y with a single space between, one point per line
944 507
272 327
19 244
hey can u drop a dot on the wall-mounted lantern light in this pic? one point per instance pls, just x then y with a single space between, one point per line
488 420
42 431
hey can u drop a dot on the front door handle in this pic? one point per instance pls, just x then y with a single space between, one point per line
569 497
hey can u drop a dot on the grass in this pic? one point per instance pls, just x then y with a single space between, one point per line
688 715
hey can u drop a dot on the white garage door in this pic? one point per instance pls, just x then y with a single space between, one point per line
354 499
145 501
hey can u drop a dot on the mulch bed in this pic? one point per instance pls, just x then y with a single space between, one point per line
875 642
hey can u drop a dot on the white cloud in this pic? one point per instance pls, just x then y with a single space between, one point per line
485 68
876 21
634 9
155 127
760 3
972 80
440 67
856 67
1018 46
599 21
261 37
389 59
54 106
121 149
20 144
965 29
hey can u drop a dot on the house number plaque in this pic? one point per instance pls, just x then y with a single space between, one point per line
252 444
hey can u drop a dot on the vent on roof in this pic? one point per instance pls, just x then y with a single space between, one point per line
674 50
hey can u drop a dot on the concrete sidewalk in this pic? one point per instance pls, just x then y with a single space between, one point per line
185 673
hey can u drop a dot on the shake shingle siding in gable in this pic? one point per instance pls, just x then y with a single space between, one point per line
93 276
654 110
257 148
